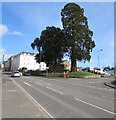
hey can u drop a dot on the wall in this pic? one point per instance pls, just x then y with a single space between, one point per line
28 61
15 62
6 66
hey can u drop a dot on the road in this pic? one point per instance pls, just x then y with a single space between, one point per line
42 97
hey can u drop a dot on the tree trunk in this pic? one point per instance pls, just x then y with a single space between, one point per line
73 65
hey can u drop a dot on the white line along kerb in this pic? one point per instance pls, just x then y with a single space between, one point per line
95 106
33 100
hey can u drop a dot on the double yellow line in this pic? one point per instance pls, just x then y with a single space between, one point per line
33 100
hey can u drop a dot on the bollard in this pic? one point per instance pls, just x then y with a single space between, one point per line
64 73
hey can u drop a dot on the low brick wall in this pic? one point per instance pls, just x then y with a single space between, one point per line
82 76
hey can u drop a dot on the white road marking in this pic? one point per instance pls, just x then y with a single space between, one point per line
96 82
48 84
109 97
27 83
36 103
104 88
39 83
111 89
96 106
55 90
51 79
11 90
100 88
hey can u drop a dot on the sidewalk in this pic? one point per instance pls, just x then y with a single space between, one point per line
111 84
16 104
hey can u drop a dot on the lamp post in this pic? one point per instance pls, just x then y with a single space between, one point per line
98 57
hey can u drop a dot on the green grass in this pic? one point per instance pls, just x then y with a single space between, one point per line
82 73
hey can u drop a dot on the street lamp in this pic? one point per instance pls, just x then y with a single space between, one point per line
98 57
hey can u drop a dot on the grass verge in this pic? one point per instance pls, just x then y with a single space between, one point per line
79 74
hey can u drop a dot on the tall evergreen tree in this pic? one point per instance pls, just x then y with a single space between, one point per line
79 35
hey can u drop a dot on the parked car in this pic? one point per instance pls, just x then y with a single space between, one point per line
27 73
15 74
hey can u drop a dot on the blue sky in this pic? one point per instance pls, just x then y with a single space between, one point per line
22 22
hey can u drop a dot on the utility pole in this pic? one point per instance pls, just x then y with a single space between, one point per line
3 62
99 58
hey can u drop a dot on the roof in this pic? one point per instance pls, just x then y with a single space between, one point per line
20 54
27 53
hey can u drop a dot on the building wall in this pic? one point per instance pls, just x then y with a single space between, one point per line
10 62
6 66
24 60
67 65
28 61
15 62
42 66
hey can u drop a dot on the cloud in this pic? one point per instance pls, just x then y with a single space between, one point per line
3 29
15 33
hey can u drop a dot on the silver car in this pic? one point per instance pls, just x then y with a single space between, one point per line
15 74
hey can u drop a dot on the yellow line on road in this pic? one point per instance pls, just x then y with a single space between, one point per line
33 100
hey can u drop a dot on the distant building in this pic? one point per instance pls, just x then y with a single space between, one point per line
89 69
80 68
67 65
42 66
8 64
23 60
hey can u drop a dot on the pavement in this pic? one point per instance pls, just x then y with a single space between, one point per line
16 103
36 97
111 84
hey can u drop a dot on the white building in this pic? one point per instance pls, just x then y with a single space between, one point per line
26 60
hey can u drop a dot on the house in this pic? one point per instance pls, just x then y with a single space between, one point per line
8 64
43 66
67 65
80 68
23 60
60 66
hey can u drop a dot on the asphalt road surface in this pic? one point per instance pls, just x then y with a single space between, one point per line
42 97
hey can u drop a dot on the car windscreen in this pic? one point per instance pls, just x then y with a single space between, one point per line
27 72
16 72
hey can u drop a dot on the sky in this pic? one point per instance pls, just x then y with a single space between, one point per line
22 22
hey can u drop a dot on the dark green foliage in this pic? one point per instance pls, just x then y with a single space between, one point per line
51 45
75 39
75 25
